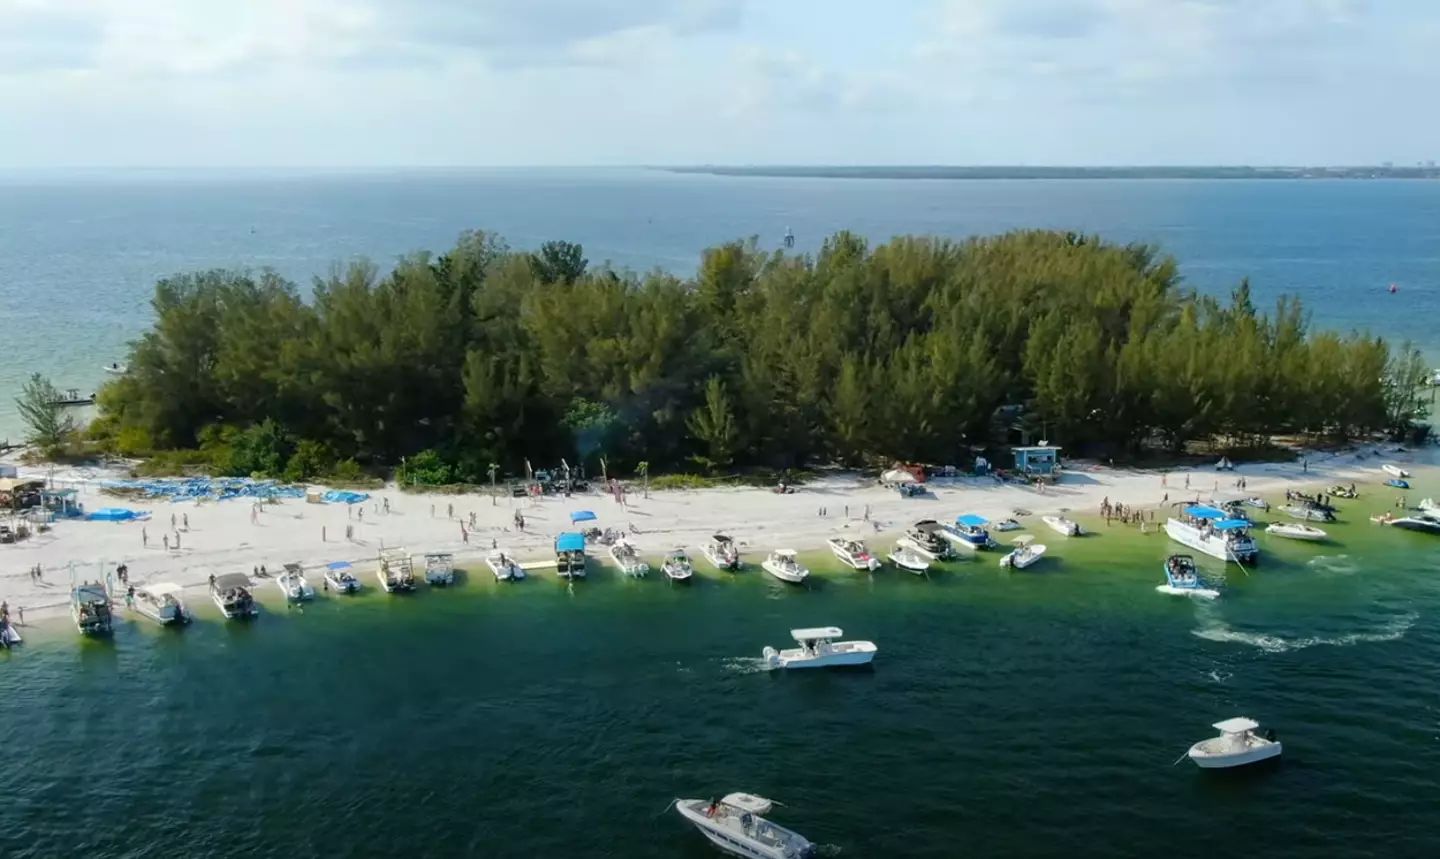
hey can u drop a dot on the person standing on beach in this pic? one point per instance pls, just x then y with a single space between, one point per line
1187 481
361 514
450 511
322 534
185 520
177 541
464 534
144 539
166 538
20 613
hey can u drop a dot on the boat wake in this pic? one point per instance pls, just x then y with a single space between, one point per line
1219 630
744 665
1334 565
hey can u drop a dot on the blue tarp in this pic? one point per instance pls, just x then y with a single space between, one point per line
972 520
570 542
340 496
582 516
206 487
115 514
1203 512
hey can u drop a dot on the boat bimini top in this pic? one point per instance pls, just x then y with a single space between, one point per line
803 635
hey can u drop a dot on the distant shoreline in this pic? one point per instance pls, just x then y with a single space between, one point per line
943 172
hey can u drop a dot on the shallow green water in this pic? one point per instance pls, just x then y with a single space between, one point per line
1033 713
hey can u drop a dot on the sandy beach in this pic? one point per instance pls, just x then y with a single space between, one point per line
221 536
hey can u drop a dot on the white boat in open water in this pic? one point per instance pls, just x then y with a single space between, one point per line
819 649
163 603
504 567
852 553
1210 531
722 553
785 566
1296 531
1182 579
626 556
735 824
909 559
1237 745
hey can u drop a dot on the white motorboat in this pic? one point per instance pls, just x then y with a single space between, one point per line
852 553
1237 745
231 592
293 584
818 649
785 566
396 574
735 825
1423 522
117 369
439 569
9 637
1006 525
909 559
1183 579
927 538
1210 531
1428 505
627 557
677 566
1061 525
722 553
163 603
505 568
1258 503
1296 531
90 608
340 580
1307 513
1395 471
1025 553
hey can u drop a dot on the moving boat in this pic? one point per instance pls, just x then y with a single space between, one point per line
818 649
783 565
1394 471
1061 525
1210 531
909 559
1296 531
735 825
293 584
1183 579
927 538
627 558
339 578
90 608
395 572
1025 553
1425 522
1308 513
677 566
231 592
969 532
1236 746
722 553
162 602
852 553
73 397
439 569
505 568
570 557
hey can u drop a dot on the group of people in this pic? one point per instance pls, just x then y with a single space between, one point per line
1125 515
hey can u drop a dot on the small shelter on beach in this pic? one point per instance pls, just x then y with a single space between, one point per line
17 493
1040 461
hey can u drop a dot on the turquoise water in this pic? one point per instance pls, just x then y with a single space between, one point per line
79 257
1032 713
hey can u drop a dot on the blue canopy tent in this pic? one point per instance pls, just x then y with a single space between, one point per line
1218 519
972 520
582 516
570 542
338 565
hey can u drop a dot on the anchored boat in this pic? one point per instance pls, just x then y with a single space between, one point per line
396 574
1425 522
570 555
163 603
1296 531
1237 745
1064 526
1395 471
627 557
294 585
1307 513
1210 531
818 649
1182 578
339 578
439 569
969 532
505 568
722 553
852 553
231 592
735 825
677 566
90 608
909 559
927 538
785 566
1025 553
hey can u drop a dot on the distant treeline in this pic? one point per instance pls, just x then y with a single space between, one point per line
1021 172
919 349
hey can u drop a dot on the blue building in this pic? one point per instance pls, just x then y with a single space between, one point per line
1038 461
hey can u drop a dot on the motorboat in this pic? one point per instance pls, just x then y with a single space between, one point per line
909 559
735 824
1398 483
1061 525
1007 525
9 637
1296 531
927 538
722 553
1307 513
1258 503
294 585
677 566
1428 505
969 532
1394 471
1025 553
73 397
90 608
570 558
505 568
1237 745
819 649
231 592
163 603
396 573
1210 531
117 369
627 558
439 569
785 566
338 578
1182 578
852 553
1425 522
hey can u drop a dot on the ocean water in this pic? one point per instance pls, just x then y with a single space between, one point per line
79 255
1029 713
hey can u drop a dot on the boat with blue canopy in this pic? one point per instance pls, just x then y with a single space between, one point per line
1214 532
570 555
969 532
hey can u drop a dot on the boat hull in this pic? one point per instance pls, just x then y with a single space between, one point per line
1313 535
1395 471
1064 527
909 566
921 549
732 842
720 562
1215 545
845 659
1246 757
785 575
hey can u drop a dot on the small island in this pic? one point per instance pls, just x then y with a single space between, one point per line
1385 171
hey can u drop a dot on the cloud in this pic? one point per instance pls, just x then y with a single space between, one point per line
771 80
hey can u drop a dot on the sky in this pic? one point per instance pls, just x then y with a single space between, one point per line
379 83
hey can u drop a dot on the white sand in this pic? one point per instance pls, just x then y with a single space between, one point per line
221 537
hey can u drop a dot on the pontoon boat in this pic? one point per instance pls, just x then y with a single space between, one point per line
734 824
783 565
395 572
163 603
969 532
927 538
1211 531
1237 745
570 555
439 569
90 608
818 649
231 593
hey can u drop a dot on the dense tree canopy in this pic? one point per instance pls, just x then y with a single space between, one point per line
918 349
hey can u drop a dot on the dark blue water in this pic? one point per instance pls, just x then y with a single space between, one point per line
78 258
